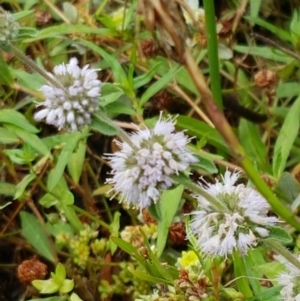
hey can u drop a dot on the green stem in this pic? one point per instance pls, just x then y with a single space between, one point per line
213 56
198 190
263 188
277 247
33 66
240 273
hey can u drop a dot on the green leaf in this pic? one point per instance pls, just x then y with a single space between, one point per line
5 74
67 286
129 249
158 85
265 52
32 230
253 259
242 281
63 298
9 116
205 163
76 161
114 231
7 189
145 78
167 207
45 286
71 216
65 29
8 137
119 73
23 185
271 294
254 7
286 138
200 129
110 93
63 158
101 125
60 274
287 188
48 200
288 90
120 107
33 140
278 31
280 235
252 143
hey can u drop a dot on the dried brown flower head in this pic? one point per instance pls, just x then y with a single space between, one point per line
30 270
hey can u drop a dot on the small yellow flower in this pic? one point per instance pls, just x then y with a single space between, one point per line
188 259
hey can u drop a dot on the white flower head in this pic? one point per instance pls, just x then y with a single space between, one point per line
9 28
70 103
290 280
141 169
239 226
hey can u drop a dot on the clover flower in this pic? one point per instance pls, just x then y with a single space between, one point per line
290 281
237 227
71 96
145 166
9 28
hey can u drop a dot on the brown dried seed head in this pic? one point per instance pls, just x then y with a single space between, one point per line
30 270
177 233
148 219
149 48
265 79
42 17
161 101
225 29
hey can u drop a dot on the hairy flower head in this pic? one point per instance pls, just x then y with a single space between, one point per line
290 280
145 166
9 28
237 227
70 103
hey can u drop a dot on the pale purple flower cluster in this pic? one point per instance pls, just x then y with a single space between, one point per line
145 166
70 103
237 227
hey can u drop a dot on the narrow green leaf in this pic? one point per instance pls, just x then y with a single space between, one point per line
286 138
114 230
167 206
76 161
71 216
5 74
63 298
240 275
284 35
8 137
143 275
158 85
35 234
288 90
279 235
200 129
64 29
7 189
145 78
265 52
23 185
63 158
115 66
252 143
287 188
13 117
254 7
33 140
101 125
